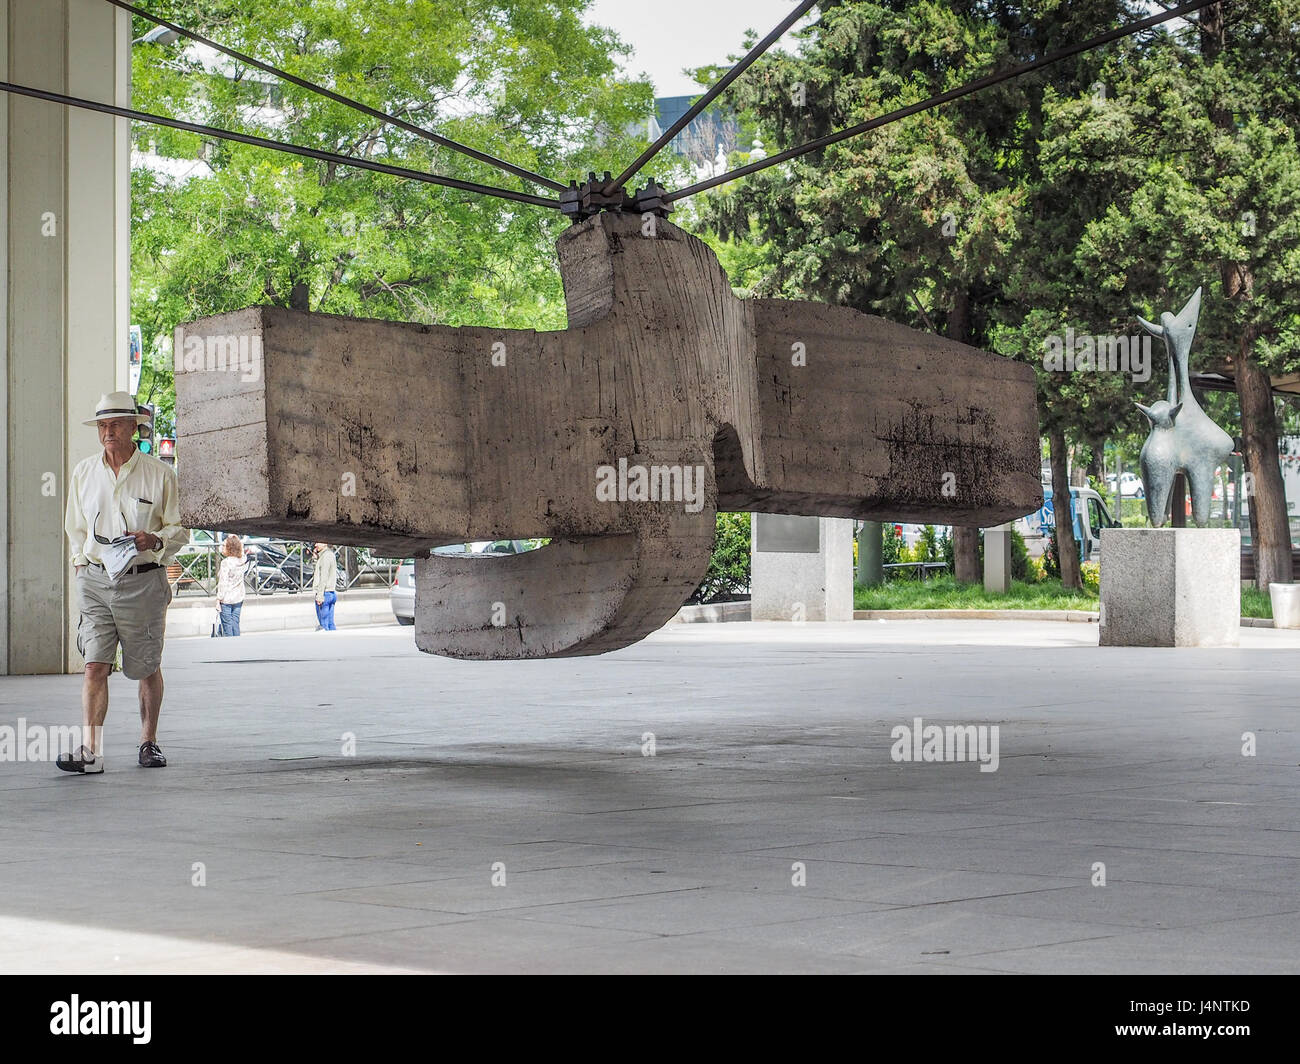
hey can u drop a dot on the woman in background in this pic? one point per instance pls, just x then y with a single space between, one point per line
230 584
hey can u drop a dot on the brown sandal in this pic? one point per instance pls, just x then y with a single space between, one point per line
151 756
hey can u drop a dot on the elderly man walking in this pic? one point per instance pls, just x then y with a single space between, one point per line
123 526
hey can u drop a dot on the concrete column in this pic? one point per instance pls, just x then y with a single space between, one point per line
997 559
4 345
870 555
801 568
65 219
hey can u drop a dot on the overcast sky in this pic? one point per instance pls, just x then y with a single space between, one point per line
671 34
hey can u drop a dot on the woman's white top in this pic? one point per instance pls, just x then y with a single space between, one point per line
230 580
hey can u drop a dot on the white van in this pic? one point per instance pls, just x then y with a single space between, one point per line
1090 517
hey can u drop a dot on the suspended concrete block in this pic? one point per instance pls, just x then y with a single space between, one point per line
665 400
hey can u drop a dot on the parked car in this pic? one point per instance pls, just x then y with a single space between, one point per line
1131 485
401 595
271 566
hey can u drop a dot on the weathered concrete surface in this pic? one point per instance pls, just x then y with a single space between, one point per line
880 416
403 437
1170 587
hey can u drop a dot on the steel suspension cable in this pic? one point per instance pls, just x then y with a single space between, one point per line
277 145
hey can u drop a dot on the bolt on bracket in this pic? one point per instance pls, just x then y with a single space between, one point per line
595 195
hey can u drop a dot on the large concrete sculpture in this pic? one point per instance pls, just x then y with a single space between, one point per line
1183 439
665 400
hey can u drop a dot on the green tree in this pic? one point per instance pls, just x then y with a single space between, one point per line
219 226
1196 147
1109 184
891 546
920 221
728 571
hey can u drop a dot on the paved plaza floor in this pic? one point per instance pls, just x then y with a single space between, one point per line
349 804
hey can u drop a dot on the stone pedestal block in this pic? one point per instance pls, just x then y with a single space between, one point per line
1170 587
997 560
801 568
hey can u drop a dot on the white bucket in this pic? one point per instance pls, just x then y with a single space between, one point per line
1286 605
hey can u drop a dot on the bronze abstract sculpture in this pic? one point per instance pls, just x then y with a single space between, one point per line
1183 439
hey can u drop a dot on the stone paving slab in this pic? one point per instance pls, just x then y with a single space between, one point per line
772 753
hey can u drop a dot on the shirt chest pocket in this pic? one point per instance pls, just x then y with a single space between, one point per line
138 510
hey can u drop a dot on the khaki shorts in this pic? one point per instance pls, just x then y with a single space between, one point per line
132 612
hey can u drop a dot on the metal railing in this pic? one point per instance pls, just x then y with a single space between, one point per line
917 570
272 566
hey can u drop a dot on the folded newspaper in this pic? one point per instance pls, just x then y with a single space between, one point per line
119 554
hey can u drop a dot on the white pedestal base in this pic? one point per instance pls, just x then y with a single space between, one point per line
1170 587
801 568
997 559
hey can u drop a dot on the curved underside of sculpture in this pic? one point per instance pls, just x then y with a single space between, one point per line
619 438
573 596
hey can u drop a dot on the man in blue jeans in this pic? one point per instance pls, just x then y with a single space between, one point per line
323 582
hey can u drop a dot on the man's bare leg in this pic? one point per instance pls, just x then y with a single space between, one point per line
94 704
151 696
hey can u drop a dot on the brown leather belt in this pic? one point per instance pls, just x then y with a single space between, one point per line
144 567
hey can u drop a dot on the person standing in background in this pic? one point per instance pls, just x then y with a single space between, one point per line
230 584
324 581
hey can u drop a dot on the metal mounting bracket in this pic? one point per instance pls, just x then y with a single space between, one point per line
598 194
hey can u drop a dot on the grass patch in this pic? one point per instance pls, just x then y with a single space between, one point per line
1255 603
944 593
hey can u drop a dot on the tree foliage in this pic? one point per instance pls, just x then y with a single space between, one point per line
728 572
218 226
1107 185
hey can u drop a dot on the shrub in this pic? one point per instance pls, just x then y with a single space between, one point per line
728 572
1051 559
891 546
928 545
1019 558
946 549
1091 574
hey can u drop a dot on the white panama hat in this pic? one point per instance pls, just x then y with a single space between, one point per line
117 404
